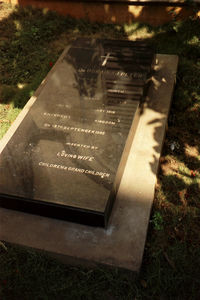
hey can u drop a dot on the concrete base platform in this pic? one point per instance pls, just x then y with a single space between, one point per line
122 243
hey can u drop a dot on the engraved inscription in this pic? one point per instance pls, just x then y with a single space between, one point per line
82 130
82 146
105 122
106 111
56 115
117 91
132 75
72 169
75 156
64 105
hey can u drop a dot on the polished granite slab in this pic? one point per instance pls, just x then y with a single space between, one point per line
67 156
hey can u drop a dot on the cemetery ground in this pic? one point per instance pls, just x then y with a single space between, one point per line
30 42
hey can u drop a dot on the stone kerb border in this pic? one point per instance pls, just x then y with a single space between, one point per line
122 243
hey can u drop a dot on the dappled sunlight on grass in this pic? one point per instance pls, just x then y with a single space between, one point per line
136 31
5 10
8 114
30 42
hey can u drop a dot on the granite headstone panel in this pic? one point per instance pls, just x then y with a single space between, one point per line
66 158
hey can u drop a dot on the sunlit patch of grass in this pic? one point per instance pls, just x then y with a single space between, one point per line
8 114
30 42
135 31
6 9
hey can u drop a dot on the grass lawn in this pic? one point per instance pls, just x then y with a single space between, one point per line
30 42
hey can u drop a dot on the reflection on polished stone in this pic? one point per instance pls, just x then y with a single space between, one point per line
64 159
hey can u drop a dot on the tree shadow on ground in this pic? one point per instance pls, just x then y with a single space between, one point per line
177 197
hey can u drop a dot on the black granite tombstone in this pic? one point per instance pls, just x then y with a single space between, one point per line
67 156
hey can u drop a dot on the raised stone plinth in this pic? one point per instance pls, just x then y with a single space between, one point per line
122 243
